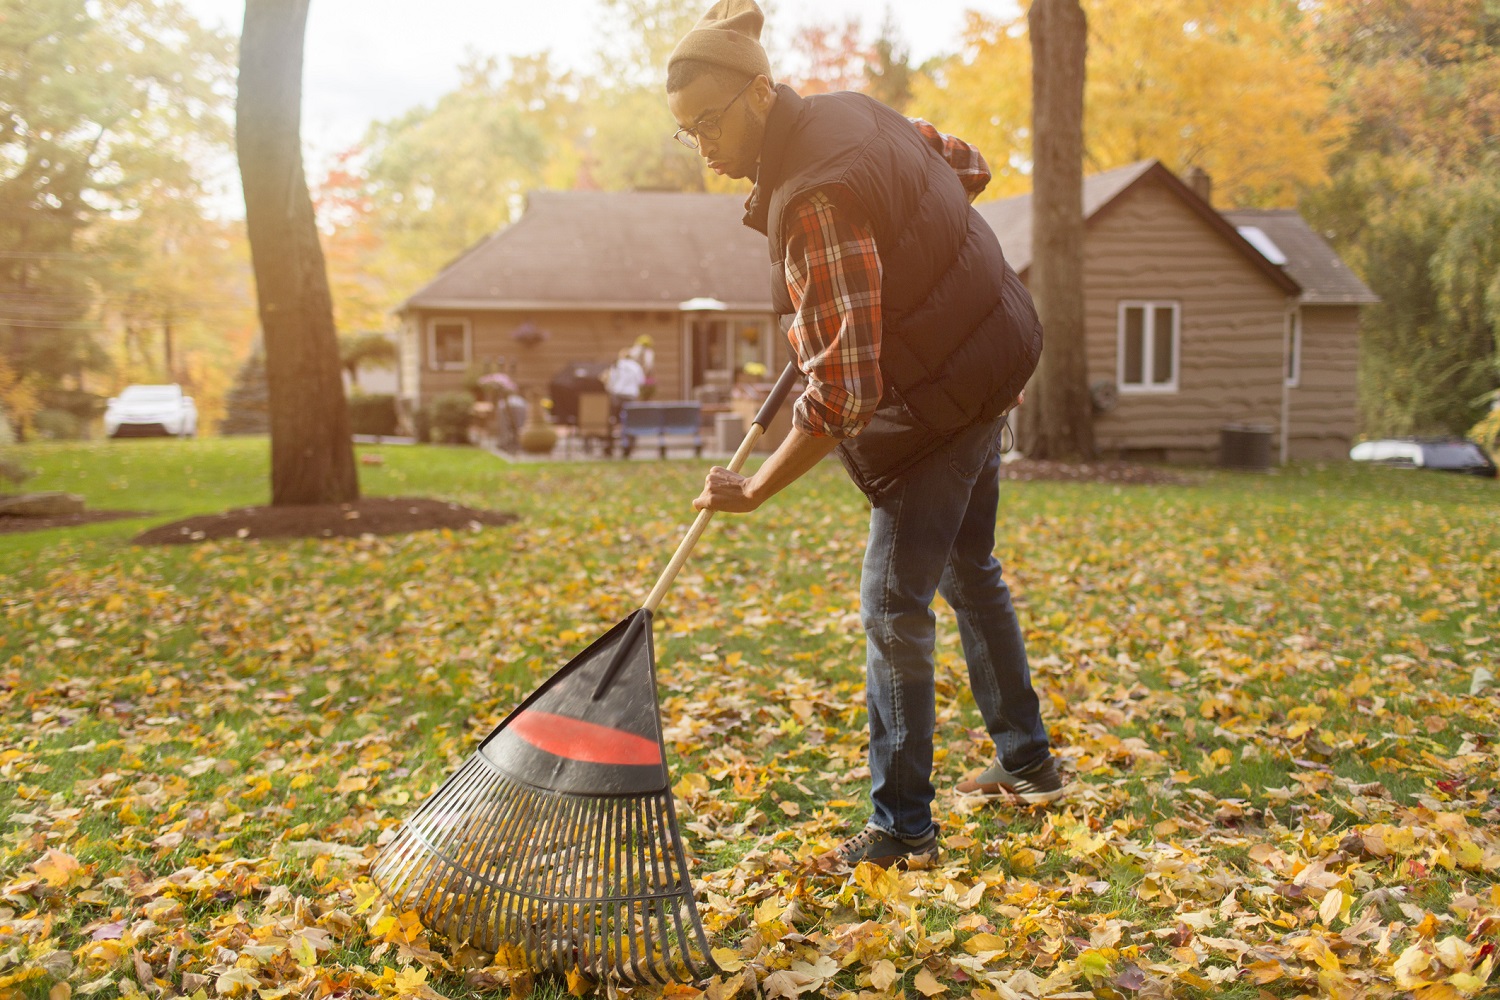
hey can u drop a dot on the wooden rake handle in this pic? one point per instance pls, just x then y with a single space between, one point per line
757 428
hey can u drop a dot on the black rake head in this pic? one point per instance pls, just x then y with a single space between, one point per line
556 845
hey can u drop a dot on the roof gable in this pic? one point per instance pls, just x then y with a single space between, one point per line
1010 218
621 250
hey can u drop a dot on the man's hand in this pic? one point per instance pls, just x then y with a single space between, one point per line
725 491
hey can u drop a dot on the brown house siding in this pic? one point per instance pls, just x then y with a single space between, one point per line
1147 245
1323 404
572 336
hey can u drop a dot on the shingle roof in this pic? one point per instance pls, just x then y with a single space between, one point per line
1011 218
611 250
653 250
1324 277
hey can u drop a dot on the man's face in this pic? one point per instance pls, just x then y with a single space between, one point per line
741 121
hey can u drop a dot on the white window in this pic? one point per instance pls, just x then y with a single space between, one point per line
1148 343
1293 348
448 345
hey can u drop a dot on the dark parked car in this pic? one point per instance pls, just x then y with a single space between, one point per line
1446 455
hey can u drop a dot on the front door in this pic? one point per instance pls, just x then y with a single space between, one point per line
720 345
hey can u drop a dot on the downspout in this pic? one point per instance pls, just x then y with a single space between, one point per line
1286 391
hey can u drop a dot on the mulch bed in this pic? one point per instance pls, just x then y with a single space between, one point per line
398 515
370 516
14 525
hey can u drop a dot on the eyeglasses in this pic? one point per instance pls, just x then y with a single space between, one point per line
708 128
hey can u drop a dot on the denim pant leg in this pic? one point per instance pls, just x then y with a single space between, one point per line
912 533
993 643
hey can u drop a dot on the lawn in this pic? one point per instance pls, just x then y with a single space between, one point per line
1284 784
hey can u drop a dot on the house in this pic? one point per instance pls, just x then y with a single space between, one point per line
582 275
1196 319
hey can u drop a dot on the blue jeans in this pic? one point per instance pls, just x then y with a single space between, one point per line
935 532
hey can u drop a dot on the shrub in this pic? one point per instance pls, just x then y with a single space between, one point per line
58 425
373 414
449 415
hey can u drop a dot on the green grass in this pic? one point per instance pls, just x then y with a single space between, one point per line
1231 666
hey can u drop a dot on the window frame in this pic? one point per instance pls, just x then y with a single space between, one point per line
433 365
1149 308
1294 349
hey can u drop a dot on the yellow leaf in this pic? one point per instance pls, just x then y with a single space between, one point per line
927 983
1095 963
578 984
883 973
236 981
980 943
728 959
1437 991
1331 907
1265 972
57 868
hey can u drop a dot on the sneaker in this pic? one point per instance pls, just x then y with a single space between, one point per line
874 845
1035 785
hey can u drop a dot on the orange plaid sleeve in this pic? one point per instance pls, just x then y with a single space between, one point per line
966 160
833 274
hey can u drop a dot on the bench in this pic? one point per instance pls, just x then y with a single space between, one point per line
661 425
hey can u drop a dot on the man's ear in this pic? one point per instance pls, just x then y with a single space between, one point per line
763 93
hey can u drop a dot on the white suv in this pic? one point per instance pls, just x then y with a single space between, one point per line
151 409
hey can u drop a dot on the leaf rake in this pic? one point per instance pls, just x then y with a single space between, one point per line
555 845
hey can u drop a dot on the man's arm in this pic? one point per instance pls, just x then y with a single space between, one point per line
833 276
966 160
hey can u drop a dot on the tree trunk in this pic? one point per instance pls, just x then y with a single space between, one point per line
1058 420
312 452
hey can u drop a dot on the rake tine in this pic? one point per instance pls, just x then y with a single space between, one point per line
431 900
696 968
462 845
632 889
617 884
656 908
467 918
522 804
561 924
671 927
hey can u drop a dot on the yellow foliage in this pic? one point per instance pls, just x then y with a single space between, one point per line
1182 81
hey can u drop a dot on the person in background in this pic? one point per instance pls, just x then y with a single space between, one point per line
623 382
916 338
644 353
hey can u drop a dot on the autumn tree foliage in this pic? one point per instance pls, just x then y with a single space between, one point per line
107 114
825 57
1414 205
1188 82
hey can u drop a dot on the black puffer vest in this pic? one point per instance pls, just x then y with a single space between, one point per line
960 336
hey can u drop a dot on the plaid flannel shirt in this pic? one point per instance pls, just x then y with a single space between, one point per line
833 273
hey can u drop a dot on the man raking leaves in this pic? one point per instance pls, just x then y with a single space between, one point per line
915 338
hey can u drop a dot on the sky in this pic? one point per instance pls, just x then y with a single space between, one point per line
371 60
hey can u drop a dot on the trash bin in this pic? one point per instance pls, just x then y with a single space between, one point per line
1246 447
729 431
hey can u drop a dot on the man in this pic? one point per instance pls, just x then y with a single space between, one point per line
915 338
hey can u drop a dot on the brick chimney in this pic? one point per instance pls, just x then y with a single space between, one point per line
1202 185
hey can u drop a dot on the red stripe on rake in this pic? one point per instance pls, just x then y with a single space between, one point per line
583 741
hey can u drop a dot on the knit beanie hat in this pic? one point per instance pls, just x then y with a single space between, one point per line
728 35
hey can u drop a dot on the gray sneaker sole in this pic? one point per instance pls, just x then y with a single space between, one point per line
997 793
